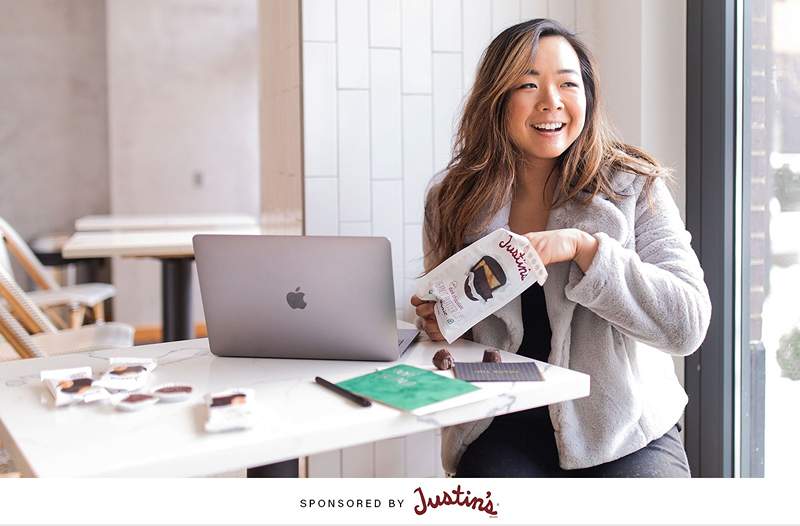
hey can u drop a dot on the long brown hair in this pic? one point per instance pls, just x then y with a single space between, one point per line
479 179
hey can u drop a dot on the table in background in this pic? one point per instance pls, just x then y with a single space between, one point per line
173 247
95 223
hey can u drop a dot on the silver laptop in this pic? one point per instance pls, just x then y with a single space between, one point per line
299 297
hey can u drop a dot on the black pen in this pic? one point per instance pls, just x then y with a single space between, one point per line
360 400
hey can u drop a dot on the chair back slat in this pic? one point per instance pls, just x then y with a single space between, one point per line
5 261
17 336
26 258
28 313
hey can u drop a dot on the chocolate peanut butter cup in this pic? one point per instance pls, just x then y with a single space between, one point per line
443 360
492 356
484 277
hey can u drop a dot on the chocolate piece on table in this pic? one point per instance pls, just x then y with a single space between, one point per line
175 389
134 398
443 360
233 399
492 356
127 369
78 385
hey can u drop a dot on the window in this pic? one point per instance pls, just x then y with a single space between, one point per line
769 221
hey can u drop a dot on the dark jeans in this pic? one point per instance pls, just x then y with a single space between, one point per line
522 445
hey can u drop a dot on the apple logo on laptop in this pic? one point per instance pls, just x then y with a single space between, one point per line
295 299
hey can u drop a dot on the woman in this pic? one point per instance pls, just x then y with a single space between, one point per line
535 155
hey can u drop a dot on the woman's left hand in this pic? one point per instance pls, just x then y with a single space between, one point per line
566 244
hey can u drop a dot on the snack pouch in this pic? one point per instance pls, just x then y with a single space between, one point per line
480 279
127 374
230 410
70 386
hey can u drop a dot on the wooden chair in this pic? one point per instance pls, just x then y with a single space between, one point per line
50 296
29 333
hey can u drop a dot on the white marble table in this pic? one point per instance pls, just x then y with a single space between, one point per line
162 221
173 247
297 416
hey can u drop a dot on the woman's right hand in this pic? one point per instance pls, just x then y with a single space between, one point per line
424 310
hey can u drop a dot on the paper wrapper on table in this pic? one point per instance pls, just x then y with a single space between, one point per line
230 410
127 374
72 386
479 280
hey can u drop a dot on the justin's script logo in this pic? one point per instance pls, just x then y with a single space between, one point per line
519 258
457 497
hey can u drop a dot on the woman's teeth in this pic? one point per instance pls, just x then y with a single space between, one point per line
549 126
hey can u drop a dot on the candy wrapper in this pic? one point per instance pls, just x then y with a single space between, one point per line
479 280
230 410
127 374
71 386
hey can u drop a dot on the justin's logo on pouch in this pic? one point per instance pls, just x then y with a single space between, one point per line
295 299
455 497
519 257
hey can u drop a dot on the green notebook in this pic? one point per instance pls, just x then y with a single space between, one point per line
409 388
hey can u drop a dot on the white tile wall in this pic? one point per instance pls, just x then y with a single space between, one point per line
446 26
384 83
530 9
384 23
417 152
390 458
387 214
413 266
416 28
322 206
352 43
354 161
386 114
358 461
505 13
447 105
355 228
319 107
413 251
328 464
477 33
319 20
422 455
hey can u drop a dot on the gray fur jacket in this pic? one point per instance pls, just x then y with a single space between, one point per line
642 301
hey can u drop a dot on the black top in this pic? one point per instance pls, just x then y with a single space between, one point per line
536 325
536 345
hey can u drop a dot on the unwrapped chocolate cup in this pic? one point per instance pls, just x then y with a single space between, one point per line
173 392
443 360
135 401
492 356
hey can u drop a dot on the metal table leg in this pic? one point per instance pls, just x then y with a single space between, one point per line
176 298
285 469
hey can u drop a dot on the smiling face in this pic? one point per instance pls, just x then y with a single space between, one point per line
547 107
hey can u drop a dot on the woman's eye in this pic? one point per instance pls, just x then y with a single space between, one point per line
571 84
528 85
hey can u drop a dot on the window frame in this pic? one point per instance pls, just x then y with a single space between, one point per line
711 113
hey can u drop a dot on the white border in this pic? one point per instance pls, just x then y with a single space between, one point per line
277 501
